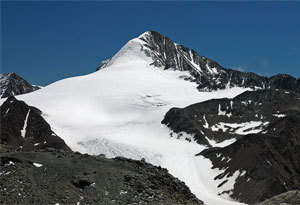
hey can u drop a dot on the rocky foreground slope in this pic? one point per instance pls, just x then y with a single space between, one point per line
51 176
12 84
34 172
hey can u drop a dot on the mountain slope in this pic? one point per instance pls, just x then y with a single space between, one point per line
11 84
207 73
262 129
117 111
290 197
216 120
268 164
50 176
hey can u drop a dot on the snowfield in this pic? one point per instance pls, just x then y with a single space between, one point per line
117 111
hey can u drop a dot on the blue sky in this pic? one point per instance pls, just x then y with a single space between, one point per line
48 41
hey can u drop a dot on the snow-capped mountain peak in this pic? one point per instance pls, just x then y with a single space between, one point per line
12 84
160 51
133 51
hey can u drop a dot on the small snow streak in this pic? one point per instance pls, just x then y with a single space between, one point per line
37 164
279 115
23 131
240 128
7 111
206 123
220 112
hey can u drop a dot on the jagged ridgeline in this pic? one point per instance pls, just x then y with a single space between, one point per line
208 74
12 84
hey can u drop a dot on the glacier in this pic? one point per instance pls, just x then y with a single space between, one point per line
117 111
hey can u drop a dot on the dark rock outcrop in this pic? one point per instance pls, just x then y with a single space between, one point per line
102 64
50 176
268 164
208 74
266 126
223 119
11 84
23 126
287 198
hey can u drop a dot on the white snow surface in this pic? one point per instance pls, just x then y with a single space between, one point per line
244 128
117 111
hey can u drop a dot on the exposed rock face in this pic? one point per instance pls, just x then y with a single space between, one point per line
266 126
22 126
287 198
102 64
50 176
224 119
208 74
11 84
267 164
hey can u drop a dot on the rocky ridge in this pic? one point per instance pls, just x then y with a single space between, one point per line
287 198
265 164
207 73
12 84
216 120
252 139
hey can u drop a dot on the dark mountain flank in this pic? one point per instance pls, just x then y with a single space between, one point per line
51 176
287 198
224 119
208 74
265 125
23 126
268 164
11 84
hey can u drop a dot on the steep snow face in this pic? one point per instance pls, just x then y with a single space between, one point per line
129 53
117 111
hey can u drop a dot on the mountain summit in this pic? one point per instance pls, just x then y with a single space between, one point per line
207 73
12 84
